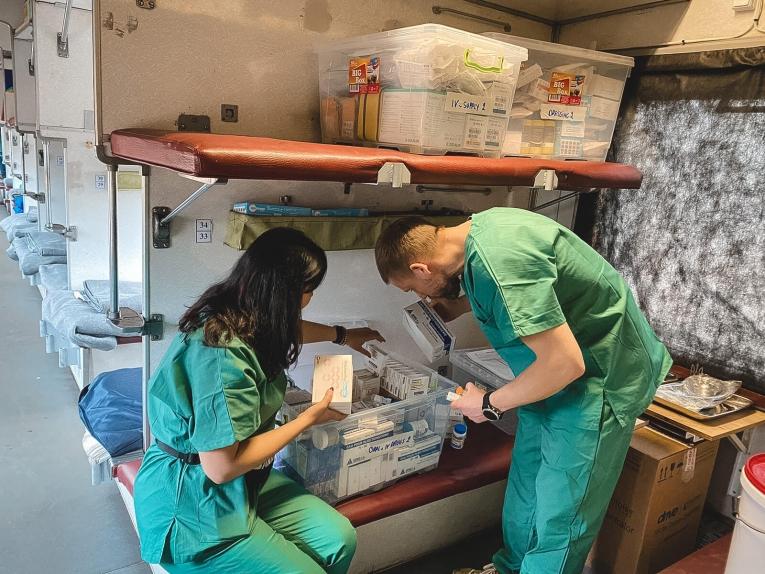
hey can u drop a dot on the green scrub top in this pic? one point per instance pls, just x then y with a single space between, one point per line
525 273
200 399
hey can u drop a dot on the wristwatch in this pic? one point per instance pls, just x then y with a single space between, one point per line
491 412
341 335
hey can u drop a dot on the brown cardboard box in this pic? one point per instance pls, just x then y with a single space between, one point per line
655 511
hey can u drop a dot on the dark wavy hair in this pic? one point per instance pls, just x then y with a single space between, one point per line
259 302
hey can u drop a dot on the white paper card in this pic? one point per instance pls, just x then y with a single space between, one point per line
572 129
604 109
529 75
564 113
334 371
413 74
475 132
607 87
539 90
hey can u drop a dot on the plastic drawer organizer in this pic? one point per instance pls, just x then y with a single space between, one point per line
425 89
378 445
566 102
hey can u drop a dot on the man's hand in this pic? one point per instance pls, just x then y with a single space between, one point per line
450 309
357 337
471 403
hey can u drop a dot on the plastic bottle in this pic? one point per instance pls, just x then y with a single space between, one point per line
459 432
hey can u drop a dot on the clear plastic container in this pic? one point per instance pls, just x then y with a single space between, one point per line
466 370
566 102
371 448
425 89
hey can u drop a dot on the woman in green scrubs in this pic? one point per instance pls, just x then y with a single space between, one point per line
206 497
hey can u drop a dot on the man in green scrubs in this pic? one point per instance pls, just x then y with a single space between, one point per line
586 361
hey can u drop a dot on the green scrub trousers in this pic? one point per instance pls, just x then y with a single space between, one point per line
201 399
525 274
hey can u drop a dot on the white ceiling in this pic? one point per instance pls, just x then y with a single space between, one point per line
564 9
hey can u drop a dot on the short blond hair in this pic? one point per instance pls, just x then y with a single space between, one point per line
402 243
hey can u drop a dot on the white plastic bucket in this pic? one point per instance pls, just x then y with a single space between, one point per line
747 548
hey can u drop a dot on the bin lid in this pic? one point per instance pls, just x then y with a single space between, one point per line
755 471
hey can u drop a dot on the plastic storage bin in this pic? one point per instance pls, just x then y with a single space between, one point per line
566 102
371 448
425 89
466 370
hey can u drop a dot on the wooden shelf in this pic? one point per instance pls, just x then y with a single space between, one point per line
218 156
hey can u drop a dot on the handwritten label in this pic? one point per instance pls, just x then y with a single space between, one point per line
562 113
467 104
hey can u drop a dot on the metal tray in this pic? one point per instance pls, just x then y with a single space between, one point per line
731 405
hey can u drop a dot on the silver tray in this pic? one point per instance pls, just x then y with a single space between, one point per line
731 405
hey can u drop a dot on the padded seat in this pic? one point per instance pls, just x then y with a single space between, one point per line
484 460
223 156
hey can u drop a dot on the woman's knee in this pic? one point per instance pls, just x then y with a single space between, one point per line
344 542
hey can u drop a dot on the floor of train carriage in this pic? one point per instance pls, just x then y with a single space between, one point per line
51 518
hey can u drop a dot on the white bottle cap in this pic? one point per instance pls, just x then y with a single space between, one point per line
323 438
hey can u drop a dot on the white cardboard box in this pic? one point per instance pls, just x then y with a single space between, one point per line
428 330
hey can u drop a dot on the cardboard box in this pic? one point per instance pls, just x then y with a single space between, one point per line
654 514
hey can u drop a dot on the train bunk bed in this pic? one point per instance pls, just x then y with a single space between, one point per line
76 325
469 483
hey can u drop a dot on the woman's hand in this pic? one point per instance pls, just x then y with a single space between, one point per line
470 403
320 413
450 309
357 337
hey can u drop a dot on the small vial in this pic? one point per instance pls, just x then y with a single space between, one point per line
459 432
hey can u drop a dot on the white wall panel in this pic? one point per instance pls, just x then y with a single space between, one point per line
24 86
87 209
64 85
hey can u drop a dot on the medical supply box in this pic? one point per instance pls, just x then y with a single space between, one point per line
428 330
485 369
425 89
566 102
382 441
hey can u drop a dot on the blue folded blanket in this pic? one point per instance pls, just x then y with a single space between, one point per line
29 261
46 243
54 277
78 321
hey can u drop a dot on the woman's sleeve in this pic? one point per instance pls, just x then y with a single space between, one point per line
226 400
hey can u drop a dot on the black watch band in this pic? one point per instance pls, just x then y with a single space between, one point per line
489 411
341 337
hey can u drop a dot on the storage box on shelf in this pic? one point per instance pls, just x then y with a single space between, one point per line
484 368
374 446
566 102
425 89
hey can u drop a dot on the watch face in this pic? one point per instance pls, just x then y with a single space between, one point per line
490 414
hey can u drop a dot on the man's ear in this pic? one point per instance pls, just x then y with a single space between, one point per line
420 270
